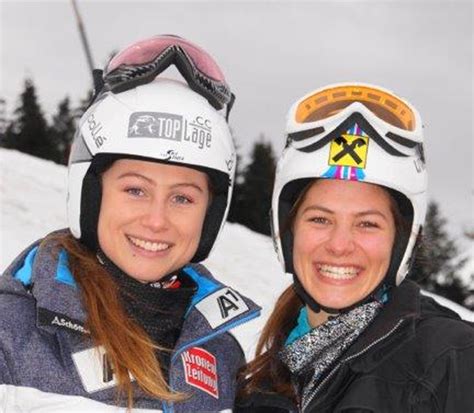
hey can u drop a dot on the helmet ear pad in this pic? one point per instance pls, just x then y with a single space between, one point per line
289 196
91 198
219 184
403 215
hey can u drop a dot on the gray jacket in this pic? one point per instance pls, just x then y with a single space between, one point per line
47 359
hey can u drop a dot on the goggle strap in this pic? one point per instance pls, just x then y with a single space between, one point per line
229 106
97 77
305 134
98 85
401 140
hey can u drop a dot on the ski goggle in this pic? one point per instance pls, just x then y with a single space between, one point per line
141 62
323 114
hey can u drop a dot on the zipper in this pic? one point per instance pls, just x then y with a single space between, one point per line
338 366
168 407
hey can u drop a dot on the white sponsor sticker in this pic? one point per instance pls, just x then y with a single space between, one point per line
94 369
222 306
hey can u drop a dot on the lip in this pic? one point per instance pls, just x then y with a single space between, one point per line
333 281
145 253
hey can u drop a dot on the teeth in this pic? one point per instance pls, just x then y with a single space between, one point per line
149 246
338 273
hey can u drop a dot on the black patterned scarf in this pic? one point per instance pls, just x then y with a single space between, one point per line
310 357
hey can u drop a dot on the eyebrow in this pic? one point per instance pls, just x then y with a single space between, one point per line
330 211
152 182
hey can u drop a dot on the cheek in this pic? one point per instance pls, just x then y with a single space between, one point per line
305 242
190 225
378 249
110 217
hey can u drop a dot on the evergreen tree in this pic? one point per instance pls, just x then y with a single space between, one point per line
438 261
256 190
62 131
469 301
28 131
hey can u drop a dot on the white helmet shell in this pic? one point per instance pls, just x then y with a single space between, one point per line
390 164
163 121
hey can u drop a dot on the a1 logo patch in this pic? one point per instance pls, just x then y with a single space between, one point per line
222 306
200 370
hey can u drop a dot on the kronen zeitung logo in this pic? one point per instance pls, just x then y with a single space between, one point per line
161 125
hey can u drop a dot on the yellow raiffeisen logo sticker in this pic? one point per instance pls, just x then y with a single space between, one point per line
350 149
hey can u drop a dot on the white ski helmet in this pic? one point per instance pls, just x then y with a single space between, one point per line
355 132
164 121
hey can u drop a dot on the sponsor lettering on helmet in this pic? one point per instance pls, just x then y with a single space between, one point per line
95 127
171 126
201 132
155 125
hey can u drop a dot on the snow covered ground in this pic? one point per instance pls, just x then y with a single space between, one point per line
33 198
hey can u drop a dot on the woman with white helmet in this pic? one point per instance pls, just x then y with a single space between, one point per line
115 310
352 334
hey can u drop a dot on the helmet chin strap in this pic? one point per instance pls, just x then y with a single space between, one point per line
378 294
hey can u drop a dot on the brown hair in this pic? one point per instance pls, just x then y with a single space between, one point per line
267 369
129 349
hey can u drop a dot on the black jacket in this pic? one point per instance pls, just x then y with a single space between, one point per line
417 356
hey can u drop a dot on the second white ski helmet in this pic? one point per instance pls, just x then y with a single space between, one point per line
355 132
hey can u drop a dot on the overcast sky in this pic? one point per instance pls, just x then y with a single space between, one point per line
273 53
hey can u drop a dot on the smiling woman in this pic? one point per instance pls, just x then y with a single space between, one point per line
352 334
116 310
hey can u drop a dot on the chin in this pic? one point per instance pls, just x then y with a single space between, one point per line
336 303
149 276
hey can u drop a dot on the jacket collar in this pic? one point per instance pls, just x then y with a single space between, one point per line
393 327
47 278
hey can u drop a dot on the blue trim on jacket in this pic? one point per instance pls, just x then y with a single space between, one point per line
302 327
26 270
63 274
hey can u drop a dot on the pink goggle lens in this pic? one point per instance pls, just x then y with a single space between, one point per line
145 51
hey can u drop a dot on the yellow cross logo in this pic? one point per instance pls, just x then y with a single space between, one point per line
349 150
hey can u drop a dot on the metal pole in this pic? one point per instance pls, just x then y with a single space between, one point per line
83 37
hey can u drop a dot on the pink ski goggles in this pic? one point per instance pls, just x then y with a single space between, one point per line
141 62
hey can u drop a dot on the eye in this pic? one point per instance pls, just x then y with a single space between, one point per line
182 199
135 192
319 220
369 224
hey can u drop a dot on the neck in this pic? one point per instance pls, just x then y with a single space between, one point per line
315 319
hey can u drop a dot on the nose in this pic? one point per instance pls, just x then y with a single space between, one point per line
341 241
155 216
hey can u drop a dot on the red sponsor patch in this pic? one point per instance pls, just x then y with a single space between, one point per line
200 370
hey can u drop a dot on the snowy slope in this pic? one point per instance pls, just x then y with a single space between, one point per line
33 197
